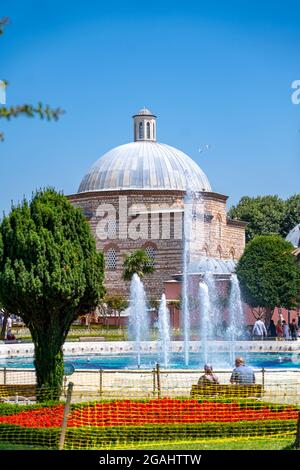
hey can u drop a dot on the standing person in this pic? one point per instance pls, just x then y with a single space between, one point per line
259 330
208 377
286 330
294 329
9 327
242 374
279 330
272 330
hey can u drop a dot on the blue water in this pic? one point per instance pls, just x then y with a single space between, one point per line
122 361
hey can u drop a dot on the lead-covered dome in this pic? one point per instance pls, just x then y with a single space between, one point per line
144 164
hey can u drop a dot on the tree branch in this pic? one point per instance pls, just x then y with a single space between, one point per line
43 112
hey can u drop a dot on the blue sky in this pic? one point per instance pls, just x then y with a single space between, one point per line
215 73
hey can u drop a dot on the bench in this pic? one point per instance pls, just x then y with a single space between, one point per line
11 390
226 390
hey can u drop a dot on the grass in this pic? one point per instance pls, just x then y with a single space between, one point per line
264 443
8 446
218 444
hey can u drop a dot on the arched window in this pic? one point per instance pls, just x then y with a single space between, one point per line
148 130
151 252
111 259
232 253
141 134
219 250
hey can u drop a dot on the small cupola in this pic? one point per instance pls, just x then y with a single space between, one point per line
144 126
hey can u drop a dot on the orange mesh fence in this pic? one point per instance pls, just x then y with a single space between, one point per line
125 409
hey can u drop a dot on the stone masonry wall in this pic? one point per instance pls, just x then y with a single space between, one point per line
223 239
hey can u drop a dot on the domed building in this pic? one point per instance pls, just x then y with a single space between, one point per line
294 238
134 196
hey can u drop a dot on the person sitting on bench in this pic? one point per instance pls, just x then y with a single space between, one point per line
208 377
242 374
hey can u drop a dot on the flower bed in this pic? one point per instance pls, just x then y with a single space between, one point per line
164 411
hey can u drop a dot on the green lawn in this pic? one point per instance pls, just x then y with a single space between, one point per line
228 444
8 446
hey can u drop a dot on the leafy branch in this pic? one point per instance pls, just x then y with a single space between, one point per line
28 110
43 112
3 22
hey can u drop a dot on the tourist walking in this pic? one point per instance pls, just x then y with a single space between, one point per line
259 330
242 374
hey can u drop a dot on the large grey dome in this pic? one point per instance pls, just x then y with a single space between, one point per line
294 236
144 164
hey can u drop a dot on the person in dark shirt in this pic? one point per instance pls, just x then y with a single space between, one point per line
272 330
294 329
242 374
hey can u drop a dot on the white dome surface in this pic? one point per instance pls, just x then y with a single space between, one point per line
294 236
145 165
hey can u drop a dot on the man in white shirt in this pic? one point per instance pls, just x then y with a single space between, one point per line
8 328
259 330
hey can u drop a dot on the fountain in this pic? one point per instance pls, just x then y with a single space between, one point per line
216 316
236 316
164 330
188 215
205 319
193 238
138 328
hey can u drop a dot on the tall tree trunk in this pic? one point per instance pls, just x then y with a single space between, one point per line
49 364
268 315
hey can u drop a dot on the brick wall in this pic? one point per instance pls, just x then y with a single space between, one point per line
222 238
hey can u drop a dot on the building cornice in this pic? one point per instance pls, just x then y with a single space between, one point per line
237 223
149 192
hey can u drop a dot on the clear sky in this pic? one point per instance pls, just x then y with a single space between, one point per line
216 73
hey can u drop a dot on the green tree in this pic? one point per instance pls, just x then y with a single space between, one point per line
292 215
28 110
138 263
269 275
264 214
50 273
112 306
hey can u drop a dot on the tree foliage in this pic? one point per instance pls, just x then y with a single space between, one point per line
28 110
137 262
264 215
50 273
116 302
112 306
268 273
292 215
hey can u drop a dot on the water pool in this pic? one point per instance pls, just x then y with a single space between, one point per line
284 360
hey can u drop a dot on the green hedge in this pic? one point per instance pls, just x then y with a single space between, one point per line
12 408
107 437
86 438
44 437
7 409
